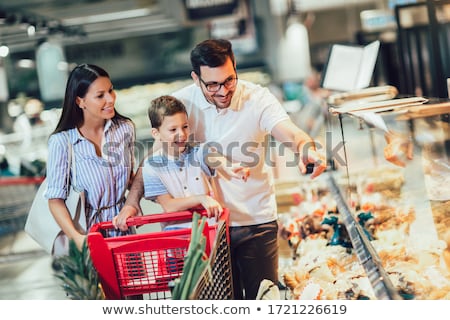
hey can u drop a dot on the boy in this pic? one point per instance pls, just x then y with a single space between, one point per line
177 175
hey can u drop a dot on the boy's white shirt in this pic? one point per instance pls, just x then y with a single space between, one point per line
175 181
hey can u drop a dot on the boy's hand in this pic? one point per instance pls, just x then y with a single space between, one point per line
234 170
212 207
314 157
239 172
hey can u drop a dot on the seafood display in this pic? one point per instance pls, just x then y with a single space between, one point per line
323 260
391 239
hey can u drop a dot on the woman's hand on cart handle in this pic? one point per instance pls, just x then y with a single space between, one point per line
120 221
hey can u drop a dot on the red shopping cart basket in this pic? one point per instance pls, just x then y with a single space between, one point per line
147 263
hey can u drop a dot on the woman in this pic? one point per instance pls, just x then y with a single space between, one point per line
103 145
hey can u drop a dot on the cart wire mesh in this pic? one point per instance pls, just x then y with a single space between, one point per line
216 283
150 271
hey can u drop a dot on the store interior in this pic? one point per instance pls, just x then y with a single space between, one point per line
286 45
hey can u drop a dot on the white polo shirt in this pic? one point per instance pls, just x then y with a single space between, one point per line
240 132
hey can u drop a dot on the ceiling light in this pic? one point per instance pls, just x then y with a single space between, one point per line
31 30
4 51
111 16
26 64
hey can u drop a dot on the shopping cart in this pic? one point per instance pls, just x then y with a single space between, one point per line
148 263
16 197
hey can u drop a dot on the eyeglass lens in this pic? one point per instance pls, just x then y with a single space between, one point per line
214 87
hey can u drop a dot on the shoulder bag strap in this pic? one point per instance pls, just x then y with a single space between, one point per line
70 160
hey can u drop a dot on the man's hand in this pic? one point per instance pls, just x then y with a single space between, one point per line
310 155
212 207
300 143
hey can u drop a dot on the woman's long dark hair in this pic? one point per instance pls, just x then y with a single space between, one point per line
78 84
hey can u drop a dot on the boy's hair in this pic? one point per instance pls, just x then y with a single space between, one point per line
164 106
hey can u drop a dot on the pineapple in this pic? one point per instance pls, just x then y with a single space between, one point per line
78 275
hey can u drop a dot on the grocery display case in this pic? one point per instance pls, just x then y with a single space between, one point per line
399 161
390 190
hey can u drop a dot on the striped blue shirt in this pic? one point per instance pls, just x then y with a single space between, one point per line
104 179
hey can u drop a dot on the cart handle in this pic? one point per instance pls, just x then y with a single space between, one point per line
20 180
157 217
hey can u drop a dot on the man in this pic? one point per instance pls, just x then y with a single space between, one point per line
237 117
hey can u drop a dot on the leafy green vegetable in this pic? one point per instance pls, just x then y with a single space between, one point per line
195 261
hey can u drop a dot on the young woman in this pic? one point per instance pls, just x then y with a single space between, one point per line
102 142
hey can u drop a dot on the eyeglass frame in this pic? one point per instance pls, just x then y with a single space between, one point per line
220 84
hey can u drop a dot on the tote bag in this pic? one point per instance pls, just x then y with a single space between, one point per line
40 224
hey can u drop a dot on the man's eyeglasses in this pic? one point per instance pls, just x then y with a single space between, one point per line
215 86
